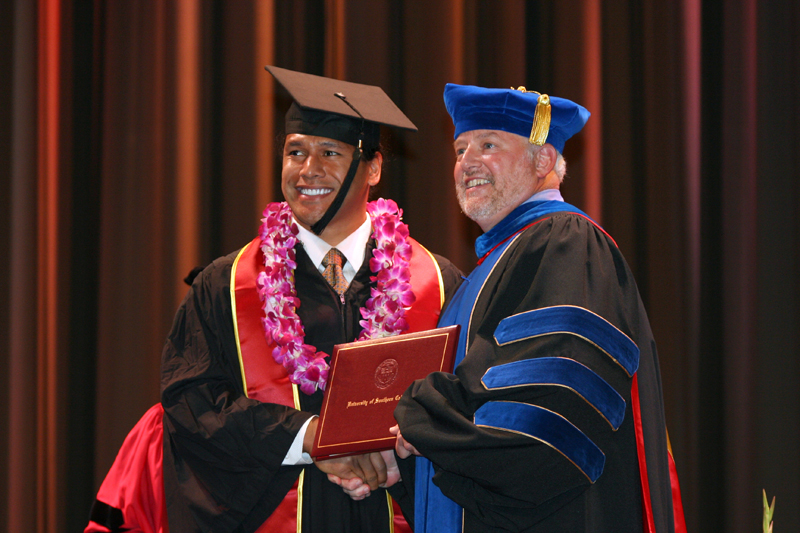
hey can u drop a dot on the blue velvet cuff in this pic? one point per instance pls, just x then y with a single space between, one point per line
560 372
574 321
548 427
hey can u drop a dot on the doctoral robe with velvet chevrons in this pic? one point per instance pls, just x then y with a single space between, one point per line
535 430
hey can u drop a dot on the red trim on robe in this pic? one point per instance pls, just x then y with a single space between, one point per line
509 237
647 506
542 220
398 519
677 501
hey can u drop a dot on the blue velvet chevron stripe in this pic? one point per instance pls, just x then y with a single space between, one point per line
561 372
575 321
547 427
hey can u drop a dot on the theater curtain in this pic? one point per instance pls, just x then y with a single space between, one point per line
139 141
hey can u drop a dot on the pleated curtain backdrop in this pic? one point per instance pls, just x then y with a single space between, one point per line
139 141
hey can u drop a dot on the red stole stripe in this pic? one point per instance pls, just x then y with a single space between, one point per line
426 282
264 379
267 381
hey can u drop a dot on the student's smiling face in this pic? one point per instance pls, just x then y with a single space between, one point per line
314 169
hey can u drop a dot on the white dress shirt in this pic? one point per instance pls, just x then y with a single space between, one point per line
353 248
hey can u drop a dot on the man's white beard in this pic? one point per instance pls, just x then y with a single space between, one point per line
482 208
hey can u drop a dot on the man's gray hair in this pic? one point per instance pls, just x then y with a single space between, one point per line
561 167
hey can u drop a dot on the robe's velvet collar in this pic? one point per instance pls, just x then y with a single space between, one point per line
518 219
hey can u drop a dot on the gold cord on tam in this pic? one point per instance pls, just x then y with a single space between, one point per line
541 118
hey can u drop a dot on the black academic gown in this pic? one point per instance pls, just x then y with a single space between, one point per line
222 450
508 481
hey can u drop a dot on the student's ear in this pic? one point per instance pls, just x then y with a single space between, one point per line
374 167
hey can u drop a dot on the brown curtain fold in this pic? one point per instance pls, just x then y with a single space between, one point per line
740 189
138 141
18 354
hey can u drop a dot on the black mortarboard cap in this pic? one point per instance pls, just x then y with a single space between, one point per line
348 112
321 108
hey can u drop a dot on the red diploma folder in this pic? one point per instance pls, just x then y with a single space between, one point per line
367 378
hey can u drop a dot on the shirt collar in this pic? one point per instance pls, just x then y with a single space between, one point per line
547 194
352 247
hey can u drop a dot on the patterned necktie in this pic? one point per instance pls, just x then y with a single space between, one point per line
333 262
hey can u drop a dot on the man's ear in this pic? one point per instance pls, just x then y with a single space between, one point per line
546 160
374 167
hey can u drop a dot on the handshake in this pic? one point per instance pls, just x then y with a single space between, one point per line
359 475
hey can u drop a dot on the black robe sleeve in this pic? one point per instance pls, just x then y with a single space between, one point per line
511 481
226 449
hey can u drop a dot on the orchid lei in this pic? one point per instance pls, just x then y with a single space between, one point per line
383 313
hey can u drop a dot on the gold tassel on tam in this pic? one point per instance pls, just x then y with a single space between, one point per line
541 121
541 117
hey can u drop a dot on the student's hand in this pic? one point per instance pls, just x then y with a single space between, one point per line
401 446
370 468
356 487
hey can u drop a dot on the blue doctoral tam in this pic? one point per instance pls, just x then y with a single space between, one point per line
512 110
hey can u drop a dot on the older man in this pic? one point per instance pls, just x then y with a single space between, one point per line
553 419
245 364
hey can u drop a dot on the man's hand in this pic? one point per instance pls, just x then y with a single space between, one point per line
402 447
358 475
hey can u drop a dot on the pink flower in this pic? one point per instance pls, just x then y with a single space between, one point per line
383 207
381 259
383 313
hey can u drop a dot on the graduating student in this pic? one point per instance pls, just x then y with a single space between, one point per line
553 419
245 365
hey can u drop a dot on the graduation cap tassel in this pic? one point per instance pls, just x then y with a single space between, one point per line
541 121
343 98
